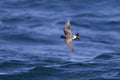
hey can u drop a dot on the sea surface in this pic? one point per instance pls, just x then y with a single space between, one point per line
31 47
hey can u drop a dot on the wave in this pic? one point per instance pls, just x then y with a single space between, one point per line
13 67
108 56
27 37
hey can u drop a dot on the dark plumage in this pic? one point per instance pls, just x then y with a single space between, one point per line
68 37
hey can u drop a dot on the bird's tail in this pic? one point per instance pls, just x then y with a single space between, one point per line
77 35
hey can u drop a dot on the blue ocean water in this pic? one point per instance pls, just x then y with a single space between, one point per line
31 48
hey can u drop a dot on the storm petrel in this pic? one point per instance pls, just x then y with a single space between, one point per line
68 37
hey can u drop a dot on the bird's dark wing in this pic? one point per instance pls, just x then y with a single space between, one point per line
67 30
68 41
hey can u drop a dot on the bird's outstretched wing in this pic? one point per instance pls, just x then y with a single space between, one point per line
67 30
68 41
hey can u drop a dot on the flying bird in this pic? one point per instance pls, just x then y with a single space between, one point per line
68 37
